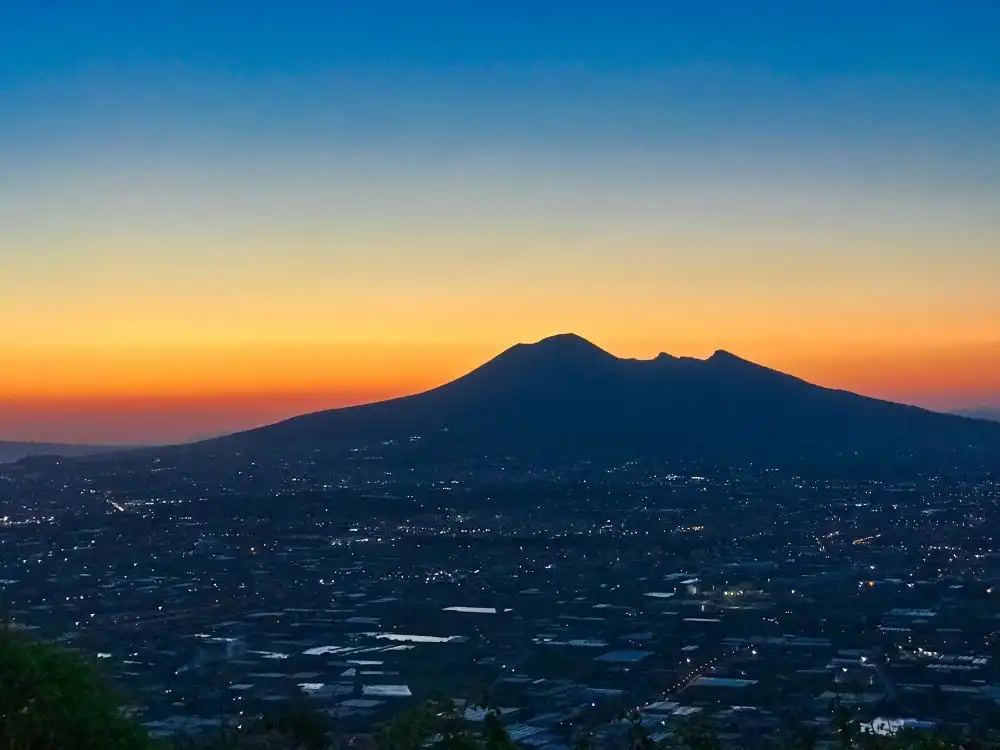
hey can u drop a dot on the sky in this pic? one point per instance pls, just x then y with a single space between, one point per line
216 215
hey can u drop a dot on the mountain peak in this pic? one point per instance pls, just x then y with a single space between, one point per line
567 342
723 357
566 354
564 347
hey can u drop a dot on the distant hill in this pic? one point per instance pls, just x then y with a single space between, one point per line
565 398
986 412
13 452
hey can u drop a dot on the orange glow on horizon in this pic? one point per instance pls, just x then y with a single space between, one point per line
142 335
175 394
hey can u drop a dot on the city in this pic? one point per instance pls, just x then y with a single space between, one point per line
752 597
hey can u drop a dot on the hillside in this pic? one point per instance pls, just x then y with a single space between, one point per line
12 452
564 397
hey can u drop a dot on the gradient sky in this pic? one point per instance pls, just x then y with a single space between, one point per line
214 215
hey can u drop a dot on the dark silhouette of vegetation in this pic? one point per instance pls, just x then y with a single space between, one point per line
306 728
53 699
440 724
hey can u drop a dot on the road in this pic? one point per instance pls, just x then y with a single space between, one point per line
699 671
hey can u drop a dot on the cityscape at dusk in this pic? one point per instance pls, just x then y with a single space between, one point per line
466 375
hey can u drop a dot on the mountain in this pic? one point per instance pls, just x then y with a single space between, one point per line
563 398
13 452
984 412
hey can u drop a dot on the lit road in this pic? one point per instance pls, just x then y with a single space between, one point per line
699 671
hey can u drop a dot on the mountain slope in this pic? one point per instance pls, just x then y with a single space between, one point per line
565 398
985 412
13 452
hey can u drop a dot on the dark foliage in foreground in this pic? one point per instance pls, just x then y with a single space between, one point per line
52 699
439 725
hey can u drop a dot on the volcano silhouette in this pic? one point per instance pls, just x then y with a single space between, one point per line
563 397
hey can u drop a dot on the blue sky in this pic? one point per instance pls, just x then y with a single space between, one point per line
801 38
812 73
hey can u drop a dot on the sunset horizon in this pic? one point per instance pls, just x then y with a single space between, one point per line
208 406
215 219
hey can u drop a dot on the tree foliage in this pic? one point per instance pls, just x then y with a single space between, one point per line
440 725
51 699
303 728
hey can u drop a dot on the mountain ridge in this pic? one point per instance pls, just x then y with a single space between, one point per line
564 396
13 451
990 413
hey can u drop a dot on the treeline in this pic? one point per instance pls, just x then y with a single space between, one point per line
52 699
